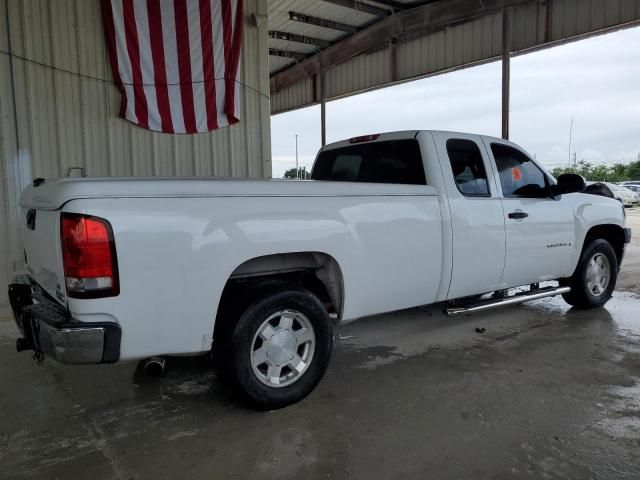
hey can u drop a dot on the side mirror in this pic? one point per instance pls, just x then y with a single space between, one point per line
569 183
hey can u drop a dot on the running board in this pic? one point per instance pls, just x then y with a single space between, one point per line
511 300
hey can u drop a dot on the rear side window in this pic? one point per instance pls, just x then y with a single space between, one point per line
395 161
519 176
468 168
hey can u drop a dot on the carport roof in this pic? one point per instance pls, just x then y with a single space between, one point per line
307 37
300 28
321 50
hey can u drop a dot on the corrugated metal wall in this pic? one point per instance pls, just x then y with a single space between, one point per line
465 44
68 116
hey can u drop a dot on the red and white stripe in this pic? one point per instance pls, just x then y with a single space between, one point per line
176 62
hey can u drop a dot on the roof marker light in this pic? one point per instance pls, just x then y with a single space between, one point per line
364 138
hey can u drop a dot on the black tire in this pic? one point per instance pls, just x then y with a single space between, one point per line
241 342
581 296
232 305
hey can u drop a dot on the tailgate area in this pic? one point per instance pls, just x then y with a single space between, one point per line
40 230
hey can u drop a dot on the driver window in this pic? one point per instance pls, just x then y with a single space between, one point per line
519 176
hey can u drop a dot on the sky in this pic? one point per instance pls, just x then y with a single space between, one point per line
596 81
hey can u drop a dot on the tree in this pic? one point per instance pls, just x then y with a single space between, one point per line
584 168
633 170
556 172
302 173
602 172
619 170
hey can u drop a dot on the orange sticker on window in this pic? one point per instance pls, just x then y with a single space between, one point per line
516 174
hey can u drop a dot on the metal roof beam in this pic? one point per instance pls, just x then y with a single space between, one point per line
360 6
321 22
298 57
427 17
393 5
292 37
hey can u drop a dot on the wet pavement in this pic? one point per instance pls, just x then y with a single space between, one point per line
545 392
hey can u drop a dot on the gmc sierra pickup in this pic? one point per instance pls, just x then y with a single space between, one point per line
258 271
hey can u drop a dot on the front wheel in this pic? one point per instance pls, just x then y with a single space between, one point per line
280 347
594 280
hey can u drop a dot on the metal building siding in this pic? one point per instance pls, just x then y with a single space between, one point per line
575 17
8 165
465 44
362 73
458 45
76 116
293 97
68 116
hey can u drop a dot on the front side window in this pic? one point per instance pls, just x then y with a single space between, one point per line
468 168
394 161
519 176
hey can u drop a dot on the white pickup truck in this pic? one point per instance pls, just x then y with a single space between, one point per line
258 271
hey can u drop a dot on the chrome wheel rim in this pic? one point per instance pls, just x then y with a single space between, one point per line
598 274
282 349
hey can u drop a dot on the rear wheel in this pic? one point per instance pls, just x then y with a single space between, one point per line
594 280
280 347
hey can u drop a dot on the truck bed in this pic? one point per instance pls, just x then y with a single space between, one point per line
51 194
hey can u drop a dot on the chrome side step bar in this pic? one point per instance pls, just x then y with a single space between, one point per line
511 300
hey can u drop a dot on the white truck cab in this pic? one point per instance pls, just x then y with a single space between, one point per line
257 271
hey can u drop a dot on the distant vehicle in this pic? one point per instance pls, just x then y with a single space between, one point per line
257 271
634 188
599 188
627 197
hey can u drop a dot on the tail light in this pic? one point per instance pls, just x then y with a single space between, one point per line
89 256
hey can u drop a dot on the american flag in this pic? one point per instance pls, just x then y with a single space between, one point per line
175 61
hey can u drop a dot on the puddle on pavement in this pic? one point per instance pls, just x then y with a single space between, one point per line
624 308
622 416
390 338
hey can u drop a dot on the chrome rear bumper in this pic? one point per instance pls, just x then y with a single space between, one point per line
48 328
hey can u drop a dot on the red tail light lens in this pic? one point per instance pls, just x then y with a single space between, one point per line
89 257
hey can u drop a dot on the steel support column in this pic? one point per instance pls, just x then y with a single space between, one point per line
506 69
323 109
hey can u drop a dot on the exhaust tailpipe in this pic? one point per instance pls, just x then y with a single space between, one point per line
154 366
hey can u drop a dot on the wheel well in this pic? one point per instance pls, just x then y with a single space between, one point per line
315 271
613 234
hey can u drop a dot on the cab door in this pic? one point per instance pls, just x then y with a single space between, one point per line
477 218
540 230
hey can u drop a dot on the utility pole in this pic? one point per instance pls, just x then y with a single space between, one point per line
570 138
297 170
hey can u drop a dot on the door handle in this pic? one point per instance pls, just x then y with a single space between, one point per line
518 215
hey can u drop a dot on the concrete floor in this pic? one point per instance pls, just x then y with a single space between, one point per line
546 392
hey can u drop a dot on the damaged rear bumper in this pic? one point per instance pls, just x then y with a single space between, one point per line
48 328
